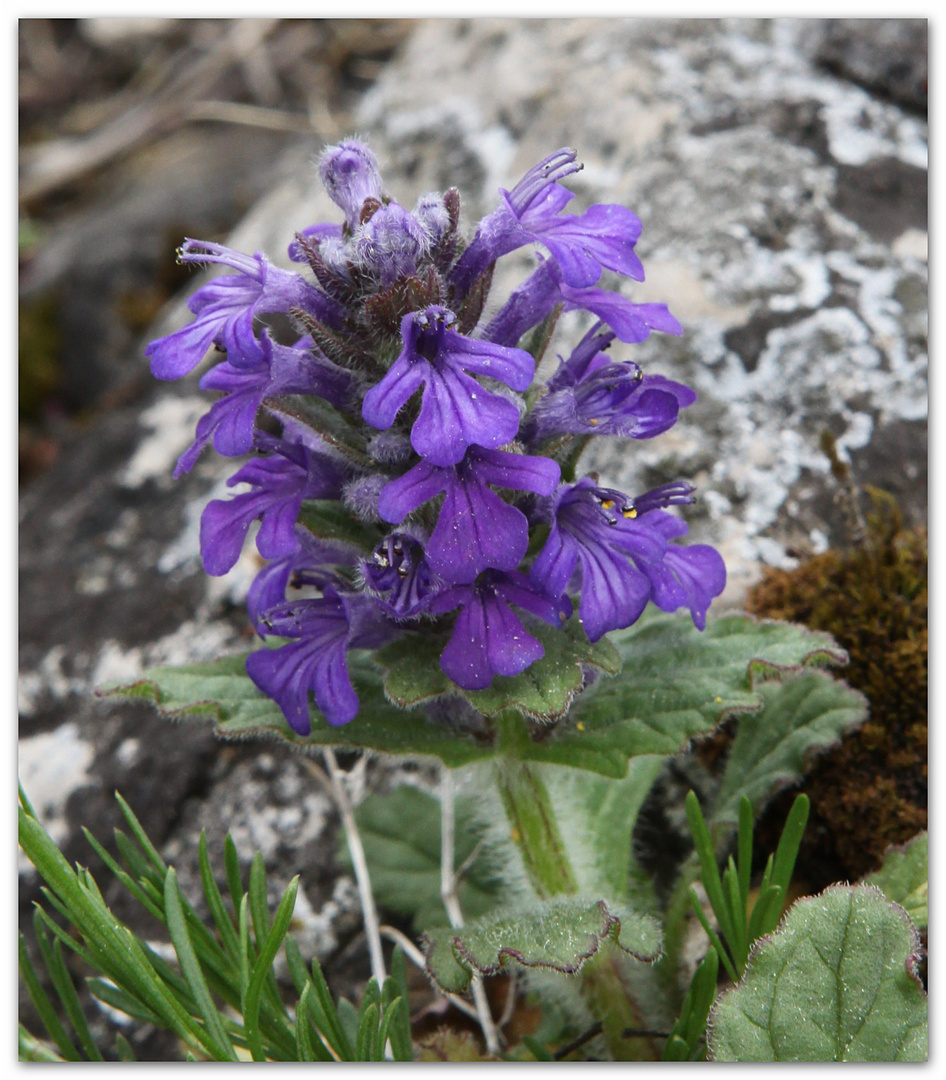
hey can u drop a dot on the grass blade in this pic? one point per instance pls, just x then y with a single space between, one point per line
217 1041
47 1013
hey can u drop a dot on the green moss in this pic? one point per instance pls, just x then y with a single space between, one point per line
871 791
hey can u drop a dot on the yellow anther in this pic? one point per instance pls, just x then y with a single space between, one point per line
630 512
580 726
606 504
594 423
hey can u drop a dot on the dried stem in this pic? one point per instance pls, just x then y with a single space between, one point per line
448 893
358 861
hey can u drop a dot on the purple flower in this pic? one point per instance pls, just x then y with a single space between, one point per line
592 395
280 483
315 661
538 295
582 245
231 419
322 231
305 565
488 638
456 412
324 629
476 529
620 545
399 578
350 175
226 308
687 577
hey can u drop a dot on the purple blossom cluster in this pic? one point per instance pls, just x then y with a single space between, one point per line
421 480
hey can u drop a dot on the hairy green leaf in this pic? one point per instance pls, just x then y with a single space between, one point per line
834 983
904 878
800 716
677 683
559 934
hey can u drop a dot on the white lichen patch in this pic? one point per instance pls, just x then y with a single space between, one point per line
51 767
171 422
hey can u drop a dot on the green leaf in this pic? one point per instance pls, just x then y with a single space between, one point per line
400 833
678 683
559 934
219 1040
834 983
222 692
329 520
800 716
904 878
653 708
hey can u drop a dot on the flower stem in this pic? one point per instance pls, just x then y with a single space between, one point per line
535 831
532 821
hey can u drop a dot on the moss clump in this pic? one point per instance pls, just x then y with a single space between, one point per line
871 791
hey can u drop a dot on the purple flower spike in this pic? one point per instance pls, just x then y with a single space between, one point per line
226 308
456 412
488 639
399 577
476 529
350 175
280 483
315 661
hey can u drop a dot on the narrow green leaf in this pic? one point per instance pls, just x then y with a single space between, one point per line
396 986
243 925
25 802
367 1027
391 1012
231 863
136 862
217 1040
789 843
124 1048
745 849
713 936
314 1046
222 920
835 983
259 912
262 969
142 837
765 914
737 911
122 1001
47 1013
348 1018
62 981
141 895
328 1021
29 1048
709 870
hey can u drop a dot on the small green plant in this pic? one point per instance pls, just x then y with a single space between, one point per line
729 895
222 999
